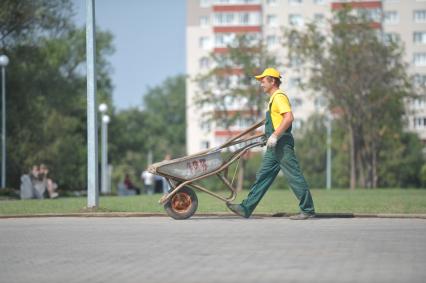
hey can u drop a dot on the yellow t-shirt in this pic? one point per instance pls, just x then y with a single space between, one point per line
280 105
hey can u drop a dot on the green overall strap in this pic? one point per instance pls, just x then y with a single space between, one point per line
269 126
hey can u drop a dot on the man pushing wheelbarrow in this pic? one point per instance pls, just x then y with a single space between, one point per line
279 153
183 173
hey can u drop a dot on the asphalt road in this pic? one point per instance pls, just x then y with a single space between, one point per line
212 249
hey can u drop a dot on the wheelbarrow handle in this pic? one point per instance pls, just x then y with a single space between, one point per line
255 126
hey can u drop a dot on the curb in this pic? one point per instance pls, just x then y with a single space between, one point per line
218 214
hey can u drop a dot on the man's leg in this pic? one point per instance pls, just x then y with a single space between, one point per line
296 180
264 178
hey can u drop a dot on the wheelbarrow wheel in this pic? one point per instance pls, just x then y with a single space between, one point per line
183 204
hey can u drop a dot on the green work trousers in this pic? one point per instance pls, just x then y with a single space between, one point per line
282 157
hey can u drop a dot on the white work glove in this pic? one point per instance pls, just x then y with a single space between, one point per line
272 141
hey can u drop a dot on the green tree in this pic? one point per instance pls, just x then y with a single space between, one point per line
422 176
365 79
127 147
230 82
159 127
46 87
230 88
164 106
24 22
311 150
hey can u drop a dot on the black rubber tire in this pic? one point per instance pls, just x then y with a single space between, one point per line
182 205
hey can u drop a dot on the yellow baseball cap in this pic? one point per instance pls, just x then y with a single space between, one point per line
269 72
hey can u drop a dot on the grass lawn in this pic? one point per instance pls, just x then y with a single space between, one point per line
334 201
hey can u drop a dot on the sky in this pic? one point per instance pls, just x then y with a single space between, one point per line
149 41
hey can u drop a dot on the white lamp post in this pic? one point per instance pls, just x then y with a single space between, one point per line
92 128
104 162
4 60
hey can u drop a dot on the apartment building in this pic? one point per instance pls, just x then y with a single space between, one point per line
406 20
212 24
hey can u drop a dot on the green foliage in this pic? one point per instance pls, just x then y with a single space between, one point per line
311 150
127 148
231 92
46 99
158 128
231 82
422 176
400 156
24 22
166 117
364 80
402 161
46 89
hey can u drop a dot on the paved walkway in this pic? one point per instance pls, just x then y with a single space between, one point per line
212 249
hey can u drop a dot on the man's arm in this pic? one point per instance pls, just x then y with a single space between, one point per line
285 124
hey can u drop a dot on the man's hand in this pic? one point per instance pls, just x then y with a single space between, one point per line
272 141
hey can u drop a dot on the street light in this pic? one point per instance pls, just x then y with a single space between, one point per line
4 60
104 162
92 129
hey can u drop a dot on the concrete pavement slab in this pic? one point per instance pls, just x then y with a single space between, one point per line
212 249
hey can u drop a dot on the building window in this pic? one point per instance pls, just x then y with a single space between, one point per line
271 41
272 20
391 37
204 63
419 59
295 61
297 124
319 2
205 144
224 19
204 21
419 122
374 15
204 42
419 80
295 20
294 2
419 16
320 103
319 18
205 126
204 86
233 2
244 19
223 39
419 37
296 102
293 82
237 19
418 103
391 17
204 3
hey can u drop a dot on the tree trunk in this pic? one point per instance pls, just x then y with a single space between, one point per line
352 159
374 166
360 169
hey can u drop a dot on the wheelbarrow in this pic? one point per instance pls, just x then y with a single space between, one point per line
183 174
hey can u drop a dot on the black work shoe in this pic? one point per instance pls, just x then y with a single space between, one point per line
302 216
237 209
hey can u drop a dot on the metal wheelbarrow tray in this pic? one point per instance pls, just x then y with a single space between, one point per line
181 202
